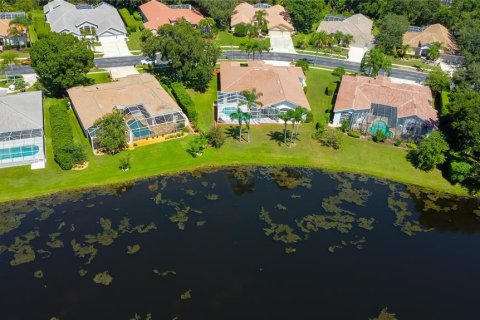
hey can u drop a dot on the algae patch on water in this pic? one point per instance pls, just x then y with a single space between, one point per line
164 273
133 249
186 295
103 278
385 315
38 274
22 251
10 221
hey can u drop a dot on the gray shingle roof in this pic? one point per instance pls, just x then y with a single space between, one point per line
21 111
66 17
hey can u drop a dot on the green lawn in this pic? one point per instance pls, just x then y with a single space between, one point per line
356 155
204 104
321 104
134 41
414 63
102 77
225 38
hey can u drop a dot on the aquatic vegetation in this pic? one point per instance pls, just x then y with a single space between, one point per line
477 212
133 249
186 295
10 221
55 243
212 197
124 226
61 225
295 196
366 223
282 232
313 222
3 249
158 199
82 272
164 273
138 317
191 192
385 315
332 248
105 238
45 213
141 228
90 205
204 183
346 194
38 274
84 251
412 228
201 223
400 209
289 250
288 178
280 206
22 251
44 254
358 243
103 278
153 187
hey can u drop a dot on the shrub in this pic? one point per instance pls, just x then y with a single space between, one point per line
216 137
111 131
240 30
66 153
339 72
411 145
42 28
354 134
430 152
380 136
398 142
459 171
124 163
344 125
131 23
309 117
329 138
184 100
331 89
137 16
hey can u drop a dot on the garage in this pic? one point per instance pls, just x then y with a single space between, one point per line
281 41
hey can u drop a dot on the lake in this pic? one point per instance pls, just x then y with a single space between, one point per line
241 243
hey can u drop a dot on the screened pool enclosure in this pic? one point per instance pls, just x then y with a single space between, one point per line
21 147
140 124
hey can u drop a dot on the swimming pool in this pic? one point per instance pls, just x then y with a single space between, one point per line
138 129
18 152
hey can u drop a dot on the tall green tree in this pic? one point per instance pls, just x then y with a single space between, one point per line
61 61
468 36
438 81
192 58
434 51
219 10
111 133
430 152
304 13
299 115
251 99
374 61
22 23
208 28
286 117
320 39
260 21
391 32
239 116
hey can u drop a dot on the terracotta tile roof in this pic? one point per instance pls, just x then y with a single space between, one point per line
158 14
277 84
359 26
434 33
359 93
5 25
245 12
92 102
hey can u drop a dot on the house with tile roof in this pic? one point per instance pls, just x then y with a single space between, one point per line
100 21
156 14
281 88
277 17
149 111
358 25
420 39
22 139
371 104
6 38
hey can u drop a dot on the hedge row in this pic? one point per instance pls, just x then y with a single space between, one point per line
184 100
66 152
131 23
42 28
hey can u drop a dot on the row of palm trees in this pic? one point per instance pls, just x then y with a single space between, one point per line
295 117
18 27
322 39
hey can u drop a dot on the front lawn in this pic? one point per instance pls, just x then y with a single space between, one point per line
102 77
204 104
134 40
321 104
225 38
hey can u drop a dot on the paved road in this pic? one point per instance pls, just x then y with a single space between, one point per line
314 60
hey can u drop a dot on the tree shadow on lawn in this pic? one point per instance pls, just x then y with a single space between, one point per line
233 131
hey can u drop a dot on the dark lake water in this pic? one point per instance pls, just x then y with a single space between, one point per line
242 243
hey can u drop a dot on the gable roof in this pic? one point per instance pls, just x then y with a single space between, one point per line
359 26
245 12
158 14
276 84
92 102
21 111
360 92
434 33
66 17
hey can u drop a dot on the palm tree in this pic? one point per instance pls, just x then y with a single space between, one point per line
239 116
298 117
338 36
251 100
24 23
319 39
285 117
14 34
347 39
434 51
249 47
4 6
373 61
260 20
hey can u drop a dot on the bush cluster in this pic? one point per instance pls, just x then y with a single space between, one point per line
42 29
184 100
354 134
131 21
66 152
240 30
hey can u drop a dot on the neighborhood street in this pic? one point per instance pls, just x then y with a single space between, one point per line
276 56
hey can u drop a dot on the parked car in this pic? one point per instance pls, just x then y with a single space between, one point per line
148 61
